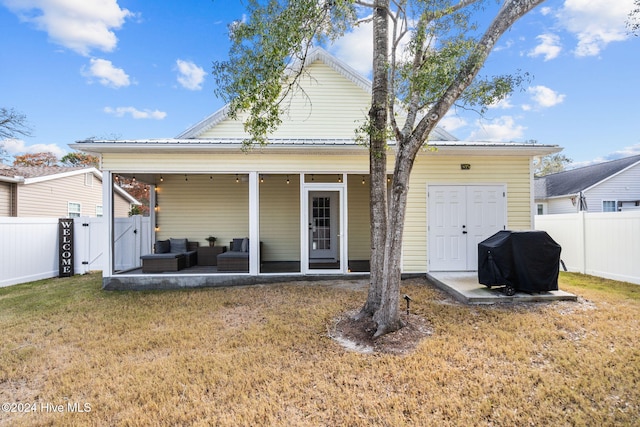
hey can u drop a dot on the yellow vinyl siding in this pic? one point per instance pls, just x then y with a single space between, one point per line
280 218
433 168
337 105
201 207
236 162
359 219
281 236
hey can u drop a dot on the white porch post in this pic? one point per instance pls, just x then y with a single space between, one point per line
304 228
344 225
107 208
254 224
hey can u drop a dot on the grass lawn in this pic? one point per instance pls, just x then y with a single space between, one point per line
262 356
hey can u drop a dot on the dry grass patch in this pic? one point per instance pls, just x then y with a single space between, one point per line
263 356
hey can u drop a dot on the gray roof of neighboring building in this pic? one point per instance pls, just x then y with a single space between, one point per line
31 174
580 179
37 171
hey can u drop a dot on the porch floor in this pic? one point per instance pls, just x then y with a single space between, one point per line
464 287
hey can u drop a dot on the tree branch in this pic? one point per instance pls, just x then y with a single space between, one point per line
510 12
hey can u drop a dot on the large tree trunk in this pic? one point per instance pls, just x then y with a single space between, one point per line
387 226
387 317
378 157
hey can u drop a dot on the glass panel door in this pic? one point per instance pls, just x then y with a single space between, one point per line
324 226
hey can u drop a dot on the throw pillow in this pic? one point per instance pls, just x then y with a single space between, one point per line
163 246
178 245
245 244
237 245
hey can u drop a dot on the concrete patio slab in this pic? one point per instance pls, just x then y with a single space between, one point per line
464 286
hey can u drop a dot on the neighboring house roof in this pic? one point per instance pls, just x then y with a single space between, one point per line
316 54
572 182
31 174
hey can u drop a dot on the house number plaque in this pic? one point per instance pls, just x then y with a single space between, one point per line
465 166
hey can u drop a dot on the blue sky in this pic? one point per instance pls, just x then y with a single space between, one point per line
129 69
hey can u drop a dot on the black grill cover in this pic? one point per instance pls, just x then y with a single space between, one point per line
527 260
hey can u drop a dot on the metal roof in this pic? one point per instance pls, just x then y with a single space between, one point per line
303 145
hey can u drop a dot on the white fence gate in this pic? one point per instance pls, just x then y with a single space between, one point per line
29 246
600 244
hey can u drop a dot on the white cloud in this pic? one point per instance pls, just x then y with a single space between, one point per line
545 97
595 23
500 129
135 113
190 76
355 48
549 47
80 25
15 147
503 104
452 122
107 74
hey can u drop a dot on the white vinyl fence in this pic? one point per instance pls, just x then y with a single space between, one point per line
29 246
600 244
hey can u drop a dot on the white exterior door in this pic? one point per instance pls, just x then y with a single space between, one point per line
323 225
461 216
323 228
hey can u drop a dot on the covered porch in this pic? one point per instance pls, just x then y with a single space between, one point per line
293 224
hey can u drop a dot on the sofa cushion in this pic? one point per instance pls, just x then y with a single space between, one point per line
245 245
162 256
237 245
163 247
178 245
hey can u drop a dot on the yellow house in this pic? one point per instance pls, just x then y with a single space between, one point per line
304 196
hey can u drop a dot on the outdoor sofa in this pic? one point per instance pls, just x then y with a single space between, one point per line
236 258
170 255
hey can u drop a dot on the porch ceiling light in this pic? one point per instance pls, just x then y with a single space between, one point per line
161 178
362 179
261 178
287 179
237 179
185 177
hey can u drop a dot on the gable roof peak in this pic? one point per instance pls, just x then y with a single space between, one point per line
315 54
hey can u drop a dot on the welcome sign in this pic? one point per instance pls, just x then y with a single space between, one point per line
65 247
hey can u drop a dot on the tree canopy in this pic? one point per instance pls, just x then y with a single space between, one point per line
552 163
36 159
78 158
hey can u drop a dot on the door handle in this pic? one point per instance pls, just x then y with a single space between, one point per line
464 232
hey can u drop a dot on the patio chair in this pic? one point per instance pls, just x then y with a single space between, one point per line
237 258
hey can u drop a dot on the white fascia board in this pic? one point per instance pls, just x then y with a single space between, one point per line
45 178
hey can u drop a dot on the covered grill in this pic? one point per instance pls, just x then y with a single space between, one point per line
528 261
